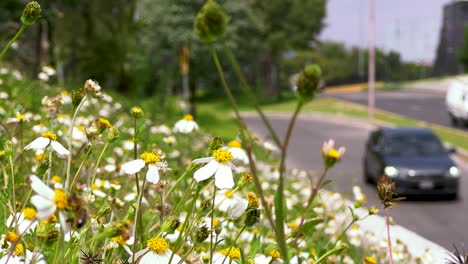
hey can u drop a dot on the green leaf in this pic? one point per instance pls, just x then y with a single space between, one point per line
310 224
255 244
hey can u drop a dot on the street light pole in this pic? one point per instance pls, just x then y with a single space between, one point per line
371 91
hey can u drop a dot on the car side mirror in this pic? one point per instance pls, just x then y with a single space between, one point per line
451 150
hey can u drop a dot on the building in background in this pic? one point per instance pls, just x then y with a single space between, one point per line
451 39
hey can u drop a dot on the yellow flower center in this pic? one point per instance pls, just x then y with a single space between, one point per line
229 193
232 252
253 200
215 222
19 250
29 213
188 117
149 157
40 157
60 199
56 178
119 240
94 186
2 153
52 219
222 155
369 260
116 182
49 135
11 237
292 225
333 154
62 116
274 254
234 144
158 245
20 117
104 122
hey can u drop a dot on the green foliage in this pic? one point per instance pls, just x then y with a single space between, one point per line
463 50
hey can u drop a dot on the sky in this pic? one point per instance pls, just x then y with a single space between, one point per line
410 27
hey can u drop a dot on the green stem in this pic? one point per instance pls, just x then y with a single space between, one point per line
18 34
135 153
329 253
137 213
97 165
387 221
212 246
226 88
279 210
70 138
259 189
188 170
13 195
80 167
251 94
309 202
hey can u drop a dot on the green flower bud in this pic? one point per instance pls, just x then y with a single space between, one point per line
77 97
216 143
252 217
171 224
308 82
136 112
202 234
113 134
8 147
43 167
211 22
31 12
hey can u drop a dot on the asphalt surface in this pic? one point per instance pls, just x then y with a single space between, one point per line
441 221
425 106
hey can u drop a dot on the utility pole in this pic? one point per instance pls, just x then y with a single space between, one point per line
184 70
371 91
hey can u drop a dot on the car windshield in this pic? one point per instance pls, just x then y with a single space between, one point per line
413 145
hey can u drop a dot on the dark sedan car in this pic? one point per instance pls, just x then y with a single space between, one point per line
414 158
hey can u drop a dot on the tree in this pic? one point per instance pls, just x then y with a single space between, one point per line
287 25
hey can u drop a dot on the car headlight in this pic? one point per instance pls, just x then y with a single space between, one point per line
391 171
453 171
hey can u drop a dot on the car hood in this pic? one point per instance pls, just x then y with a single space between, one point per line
428 162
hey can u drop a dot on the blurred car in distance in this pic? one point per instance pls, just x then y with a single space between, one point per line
456 100
414 158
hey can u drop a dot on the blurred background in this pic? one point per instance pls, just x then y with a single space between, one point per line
134 46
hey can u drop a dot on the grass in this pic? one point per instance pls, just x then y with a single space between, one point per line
216 116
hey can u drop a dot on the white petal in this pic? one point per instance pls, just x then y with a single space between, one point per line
62 152
133 166
38 143
152 175
46 213
206 171
202 160
41 203
223 177
41 188
237 208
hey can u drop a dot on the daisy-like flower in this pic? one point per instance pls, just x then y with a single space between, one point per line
25 220
227 255
47 201
46 139
273 258
185 125
330 154
157 251
149 159
19 118
238 153
231 203
218 165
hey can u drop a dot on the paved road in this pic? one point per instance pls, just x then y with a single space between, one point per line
443 222
429 107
